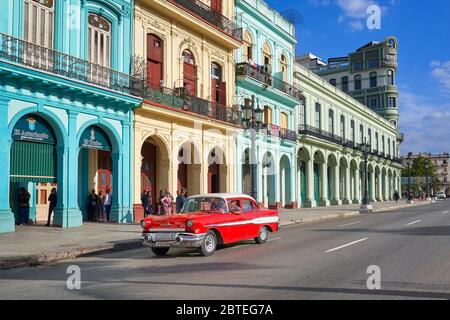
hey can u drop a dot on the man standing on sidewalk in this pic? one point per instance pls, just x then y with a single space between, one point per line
108 203
24 206
52 199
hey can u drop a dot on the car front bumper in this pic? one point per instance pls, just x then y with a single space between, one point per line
172 239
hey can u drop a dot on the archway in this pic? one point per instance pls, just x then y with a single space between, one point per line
217 171
189 168
155 168
95 167
268 182
33 166
285 182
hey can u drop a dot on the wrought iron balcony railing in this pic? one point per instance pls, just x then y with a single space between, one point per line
14 50
287 134
211 16
245 69
349 144
179 99
321 134
272 130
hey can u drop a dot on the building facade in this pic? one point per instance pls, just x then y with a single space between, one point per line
66 106
184 134
368 75
264 78
330 162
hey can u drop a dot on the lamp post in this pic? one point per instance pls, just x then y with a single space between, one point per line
366 205
408 163
252 120
427 166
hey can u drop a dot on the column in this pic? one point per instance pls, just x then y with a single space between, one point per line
336 199
324 201
372 185
357 187
310 201
67 213
7 219
347 196
380 187
293 185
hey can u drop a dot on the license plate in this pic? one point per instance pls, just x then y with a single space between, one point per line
161 244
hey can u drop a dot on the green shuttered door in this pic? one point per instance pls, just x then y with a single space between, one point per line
31 161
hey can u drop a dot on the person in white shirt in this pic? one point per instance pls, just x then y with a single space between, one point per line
108 203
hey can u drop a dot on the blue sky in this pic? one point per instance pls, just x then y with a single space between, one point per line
331 28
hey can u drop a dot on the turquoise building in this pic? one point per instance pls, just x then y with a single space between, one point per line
265 70
66 106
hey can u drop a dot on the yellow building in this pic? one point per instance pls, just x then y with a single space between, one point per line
184 134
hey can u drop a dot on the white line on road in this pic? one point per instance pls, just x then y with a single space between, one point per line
274 239
350 224
346 245
414 222
445 212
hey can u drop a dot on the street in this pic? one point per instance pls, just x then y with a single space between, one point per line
327 260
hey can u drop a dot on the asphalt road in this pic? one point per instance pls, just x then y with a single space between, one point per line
326 260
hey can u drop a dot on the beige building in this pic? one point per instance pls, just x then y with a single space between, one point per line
185 130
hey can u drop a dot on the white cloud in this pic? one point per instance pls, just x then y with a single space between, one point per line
441 72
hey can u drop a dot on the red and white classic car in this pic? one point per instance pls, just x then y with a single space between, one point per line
207 221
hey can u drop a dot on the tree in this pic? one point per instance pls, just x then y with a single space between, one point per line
418 170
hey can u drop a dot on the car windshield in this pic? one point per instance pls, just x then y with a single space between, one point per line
206 204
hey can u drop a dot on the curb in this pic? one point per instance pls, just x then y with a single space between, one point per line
49 258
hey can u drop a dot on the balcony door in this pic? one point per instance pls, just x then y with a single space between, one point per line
154 61
99 49
216 6
189 73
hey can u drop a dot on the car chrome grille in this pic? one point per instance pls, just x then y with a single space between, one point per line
164 236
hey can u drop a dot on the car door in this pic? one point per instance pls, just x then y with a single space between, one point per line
250 213
232 226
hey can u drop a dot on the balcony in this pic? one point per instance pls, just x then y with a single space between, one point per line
17 51
278 132
179 100
321 134
289 135
211 16
256 73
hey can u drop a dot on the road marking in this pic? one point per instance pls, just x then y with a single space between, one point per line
445 212
274 239
346 245
350 224
414 222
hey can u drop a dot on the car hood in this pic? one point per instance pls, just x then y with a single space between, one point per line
175 220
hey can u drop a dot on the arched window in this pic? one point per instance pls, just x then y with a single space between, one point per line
154 61
247 48
218 87
283 66
267 54
99 40
39 22
189 73
373 80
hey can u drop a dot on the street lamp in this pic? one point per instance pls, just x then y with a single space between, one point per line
427 166
366 205
408 163
252 120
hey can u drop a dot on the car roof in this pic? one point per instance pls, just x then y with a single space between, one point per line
224 196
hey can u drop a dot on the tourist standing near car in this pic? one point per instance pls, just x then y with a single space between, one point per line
144 199
52 200
108 203
181 198
24 206
166 202
92 205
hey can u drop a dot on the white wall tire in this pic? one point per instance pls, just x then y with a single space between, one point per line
209 244
263 235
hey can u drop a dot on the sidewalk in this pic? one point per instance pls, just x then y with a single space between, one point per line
38 245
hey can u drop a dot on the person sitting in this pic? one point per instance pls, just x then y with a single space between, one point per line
234 208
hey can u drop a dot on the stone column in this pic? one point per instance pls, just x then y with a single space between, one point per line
324 201
337 201
372 183
357 187
347 195
310 201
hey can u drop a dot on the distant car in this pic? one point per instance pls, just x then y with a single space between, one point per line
441 195
208 220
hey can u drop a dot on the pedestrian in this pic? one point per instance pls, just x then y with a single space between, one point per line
24 206
159 203
92 205
101 212
167 201
108 203
144 200
181 198
396 196
149 206
52 200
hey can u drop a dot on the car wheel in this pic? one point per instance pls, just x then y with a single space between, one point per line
160 251
209 244
263 235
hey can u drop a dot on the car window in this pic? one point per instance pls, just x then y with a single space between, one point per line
234 206
247 205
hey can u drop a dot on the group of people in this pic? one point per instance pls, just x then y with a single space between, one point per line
24 206
163 205
99 206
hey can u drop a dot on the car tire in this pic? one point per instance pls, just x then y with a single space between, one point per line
263 235
160 251
209 244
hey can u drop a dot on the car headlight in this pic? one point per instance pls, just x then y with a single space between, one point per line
189 223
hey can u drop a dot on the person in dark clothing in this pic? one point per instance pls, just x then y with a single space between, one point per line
149 206
108 203
144 201
24 206
52 200
92 205
396 196
181 198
